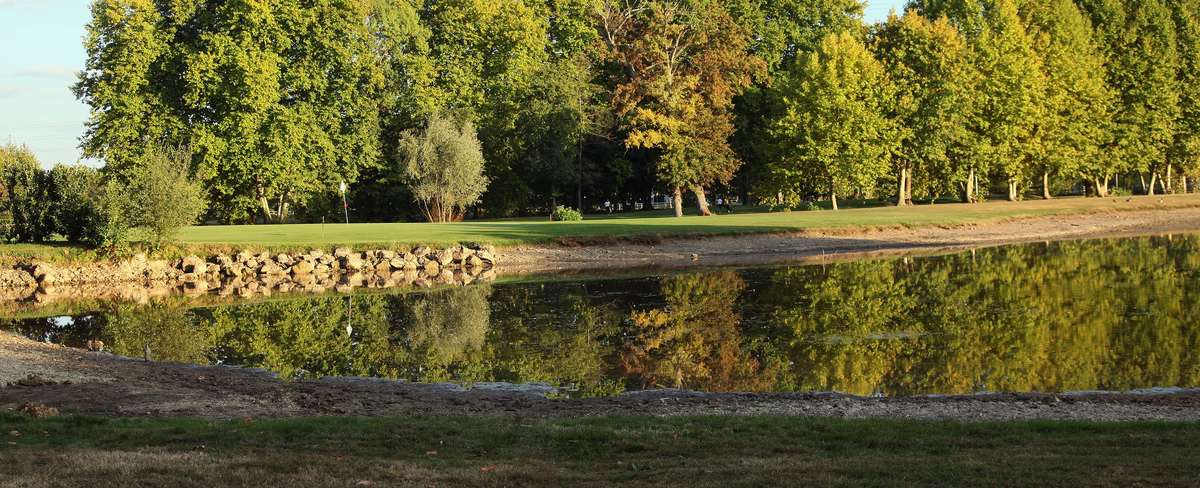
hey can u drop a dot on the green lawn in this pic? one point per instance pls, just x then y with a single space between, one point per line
526 231
595 451
529 231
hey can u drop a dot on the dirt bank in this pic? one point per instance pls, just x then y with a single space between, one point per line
852 243
76 381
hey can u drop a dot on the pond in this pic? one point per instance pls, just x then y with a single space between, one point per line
1114 314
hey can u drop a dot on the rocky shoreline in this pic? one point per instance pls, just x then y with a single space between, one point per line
245 273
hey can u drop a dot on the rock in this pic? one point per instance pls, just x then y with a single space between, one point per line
243 257
486 257
432 268
303 268
270 268
397 263
44 273
445 257
421 251
341 252
474 262
383 267
284 260
32 380
193 264
384 255
352 262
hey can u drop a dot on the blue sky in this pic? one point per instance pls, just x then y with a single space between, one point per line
42 46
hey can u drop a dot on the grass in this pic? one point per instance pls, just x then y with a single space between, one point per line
207 239
595 451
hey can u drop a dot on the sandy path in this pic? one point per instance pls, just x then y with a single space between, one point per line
846 244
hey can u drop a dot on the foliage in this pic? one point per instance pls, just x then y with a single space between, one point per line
164 197
683 62
566 214
28 196
71 195
834 123
443 167
109 218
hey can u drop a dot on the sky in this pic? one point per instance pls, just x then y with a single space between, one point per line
41 49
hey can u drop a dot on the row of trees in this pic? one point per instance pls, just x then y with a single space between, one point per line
957 94
585 101
1058 317
82 206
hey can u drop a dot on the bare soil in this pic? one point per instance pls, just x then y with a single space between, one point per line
82 382
843 244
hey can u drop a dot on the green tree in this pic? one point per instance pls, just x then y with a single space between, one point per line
1074 127
29 203
443 166
164 197
72 190
927 62
835 121
1185 151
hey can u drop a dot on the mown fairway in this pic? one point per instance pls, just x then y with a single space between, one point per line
600 451
508 232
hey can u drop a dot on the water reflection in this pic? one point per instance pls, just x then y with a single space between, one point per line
1115 314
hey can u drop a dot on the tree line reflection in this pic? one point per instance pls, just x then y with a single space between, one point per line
1117 314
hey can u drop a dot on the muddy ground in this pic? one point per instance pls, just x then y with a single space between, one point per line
816 246
77 381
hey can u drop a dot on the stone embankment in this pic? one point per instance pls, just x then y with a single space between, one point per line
246 273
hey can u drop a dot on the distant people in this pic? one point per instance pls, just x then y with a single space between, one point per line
608 206
723 204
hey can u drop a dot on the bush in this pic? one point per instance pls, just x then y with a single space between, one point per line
164 197
443 166
27 195
72 192
566 214
107 217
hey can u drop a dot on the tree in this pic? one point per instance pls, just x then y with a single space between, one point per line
1185 151
164 197
680 65
834 121
443 166
29 205
274 97
72 190
926 61
1142 70
1078 104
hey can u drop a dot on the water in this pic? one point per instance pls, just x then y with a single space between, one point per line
1108 314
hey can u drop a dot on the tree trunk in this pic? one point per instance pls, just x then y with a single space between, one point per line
1184 180
1169 188
1012 190
833 198
1153 181
908 200
900 201
701 200
1046 185
678 202
971 186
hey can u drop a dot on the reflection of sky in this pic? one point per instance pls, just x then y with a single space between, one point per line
42 42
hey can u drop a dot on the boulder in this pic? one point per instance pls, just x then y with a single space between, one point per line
284 260
341 252
421 251
303 268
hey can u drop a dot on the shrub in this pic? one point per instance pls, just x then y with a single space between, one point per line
566 214
811 206
443 166
72 190
27 192
164 197
107 218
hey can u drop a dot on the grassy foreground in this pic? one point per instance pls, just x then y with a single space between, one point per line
645 451
201 239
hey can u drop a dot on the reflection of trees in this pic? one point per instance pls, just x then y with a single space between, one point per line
1067 316
164 331
450 328
695 341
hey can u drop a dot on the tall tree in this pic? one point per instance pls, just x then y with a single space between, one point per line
1185 151
1074 127
681 63
1143 65
835 122
927 62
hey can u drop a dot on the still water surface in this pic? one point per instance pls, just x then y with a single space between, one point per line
1108 314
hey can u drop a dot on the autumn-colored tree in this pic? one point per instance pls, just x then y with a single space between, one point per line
681 62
